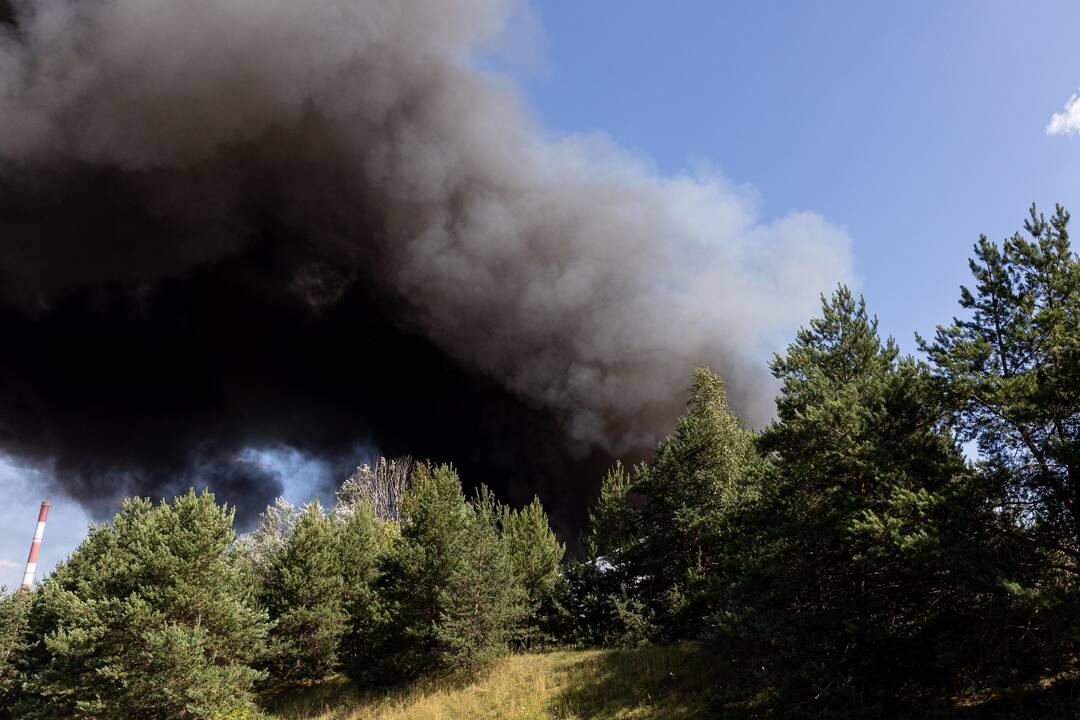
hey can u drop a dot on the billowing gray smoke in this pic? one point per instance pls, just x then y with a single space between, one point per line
318 164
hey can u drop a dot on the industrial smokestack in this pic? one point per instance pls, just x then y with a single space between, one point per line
39 532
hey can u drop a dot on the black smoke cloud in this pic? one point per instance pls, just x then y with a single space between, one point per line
228 224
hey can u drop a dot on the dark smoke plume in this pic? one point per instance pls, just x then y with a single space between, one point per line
250 223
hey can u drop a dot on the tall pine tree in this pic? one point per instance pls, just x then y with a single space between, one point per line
877 564
1012 372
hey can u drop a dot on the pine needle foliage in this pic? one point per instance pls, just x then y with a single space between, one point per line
660 533
305 597
878 570
14 641
447 596
1011 370
536 557
147 619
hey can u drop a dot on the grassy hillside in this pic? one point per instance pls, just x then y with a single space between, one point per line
665 683
651 682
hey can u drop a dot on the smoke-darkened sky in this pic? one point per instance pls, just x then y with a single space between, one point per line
229 225
246 244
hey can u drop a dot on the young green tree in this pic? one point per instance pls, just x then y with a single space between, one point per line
147 619
362 541
696 488
614 520
304 595
447 595
659 536
416 575
484 599
536 556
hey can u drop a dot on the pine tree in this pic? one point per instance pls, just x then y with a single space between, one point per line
878 562
447 596
400 642
484 599
614 521
536 555
147 619
14 641
698 483
659 536
1012 372
361 544
305 598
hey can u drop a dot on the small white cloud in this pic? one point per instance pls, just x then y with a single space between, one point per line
6 564
1067 121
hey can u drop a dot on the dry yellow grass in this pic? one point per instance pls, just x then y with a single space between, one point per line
668 683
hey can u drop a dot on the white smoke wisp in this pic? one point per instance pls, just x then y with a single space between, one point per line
564 267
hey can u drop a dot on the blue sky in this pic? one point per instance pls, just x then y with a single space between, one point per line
20 489
915 126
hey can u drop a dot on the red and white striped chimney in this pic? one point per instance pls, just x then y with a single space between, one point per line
31 562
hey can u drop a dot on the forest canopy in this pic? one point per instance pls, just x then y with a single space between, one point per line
849 560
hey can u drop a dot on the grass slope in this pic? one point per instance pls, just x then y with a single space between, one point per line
665 682
652 682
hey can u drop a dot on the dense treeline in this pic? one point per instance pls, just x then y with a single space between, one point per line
849 554
848 560
165 613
